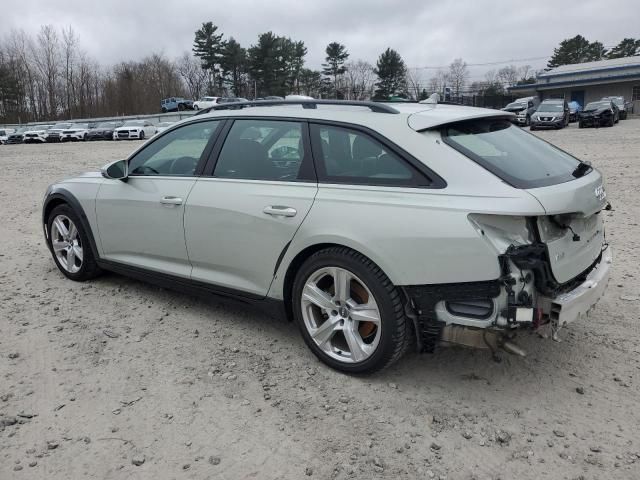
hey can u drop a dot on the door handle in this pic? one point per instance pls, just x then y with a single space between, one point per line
280 211
169 200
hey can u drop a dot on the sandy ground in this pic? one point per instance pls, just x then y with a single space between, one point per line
99 376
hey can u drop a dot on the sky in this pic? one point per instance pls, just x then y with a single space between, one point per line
426 33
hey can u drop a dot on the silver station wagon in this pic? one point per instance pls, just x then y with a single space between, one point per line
375 227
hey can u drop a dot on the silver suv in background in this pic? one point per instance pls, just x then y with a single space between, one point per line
624 107
523 108
374 227
551 113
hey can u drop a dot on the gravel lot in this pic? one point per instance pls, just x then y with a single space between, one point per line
118 379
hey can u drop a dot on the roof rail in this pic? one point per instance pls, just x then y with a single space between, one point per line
312 104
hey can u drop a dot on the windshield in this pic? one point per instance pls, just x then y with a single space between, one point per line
551 107
517 157
616 100
61 126
133 123
84 126
516 105
597 105
107 125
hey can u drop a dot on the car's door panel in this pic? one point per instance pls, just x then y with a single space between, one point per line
138 228
231 241
141 221
239 219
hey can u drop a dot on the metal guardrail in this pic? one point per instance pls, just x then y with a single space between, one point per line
154 118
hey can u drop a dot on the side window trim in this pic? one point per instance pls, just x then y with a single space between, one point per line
201 161
431 179
307 171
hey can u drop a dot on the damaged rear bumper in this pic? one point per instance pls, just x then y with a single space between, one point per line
577 303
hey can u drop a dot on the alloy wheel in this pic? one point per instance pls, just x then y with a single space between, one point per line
341 314
66 243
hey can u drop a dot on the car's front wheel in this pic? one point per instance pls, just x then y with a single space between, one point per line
70 245
195 107
350 314
141 136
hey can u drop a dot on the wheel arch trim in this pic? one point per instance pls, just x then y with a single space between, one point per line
56 196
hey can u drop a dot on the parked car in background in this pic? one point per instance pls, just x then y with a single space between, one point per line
552 113
54 133
523 108
17 136
162 126
103 131
134 130
574 109
625 108
520 238
205 102
36 134
599 114
76 132
4 134
174 104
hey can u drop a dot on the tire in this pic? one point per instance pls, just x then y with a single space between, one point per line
379 343
87 267
163 110
195 107
181 107
142 135
532 128
527 121
611 122
580 125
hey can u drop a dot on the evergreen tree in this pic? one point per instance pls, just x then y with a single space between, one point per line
576 50
628 47
207 46
275 64
336 57
233 64
392 75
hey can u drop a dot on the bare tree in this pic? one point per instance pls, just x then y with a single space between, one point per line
525 73
438 82
458 75
359 80
69 47
414 83
46 55
192 74
508 75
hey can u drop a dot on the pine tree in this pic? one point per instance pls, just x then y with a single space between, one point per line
576 50
392 75
207 46
628 47
336 57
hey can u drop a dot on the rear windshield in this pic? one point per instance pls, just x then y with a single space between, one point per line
517 157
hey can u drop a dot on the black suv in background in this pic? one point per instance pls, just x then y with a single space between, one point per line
604 113
552 113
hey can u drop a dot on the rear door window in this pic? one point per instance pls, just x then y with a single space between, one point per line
352 156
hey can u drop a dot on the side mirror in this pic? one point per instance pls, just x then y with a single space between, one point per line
118 170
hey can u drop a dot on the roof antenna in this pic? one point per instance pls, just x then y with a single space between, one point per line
433 99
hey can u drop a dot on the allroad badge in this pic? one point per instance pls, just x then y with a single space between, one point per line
600 193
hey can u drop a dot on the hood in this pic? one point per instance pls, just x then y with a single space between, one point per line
514 109
132 127
595 110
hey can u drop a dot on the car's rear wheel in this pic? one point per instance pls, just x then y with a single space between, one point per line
350 314
70 245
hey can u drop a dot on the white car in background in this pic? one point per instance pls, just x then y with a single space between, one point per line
77 131
4 134
205 102
134 130
162 126
37 134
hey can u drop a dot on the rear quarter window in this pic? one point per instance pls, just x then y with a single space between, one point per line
519 158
